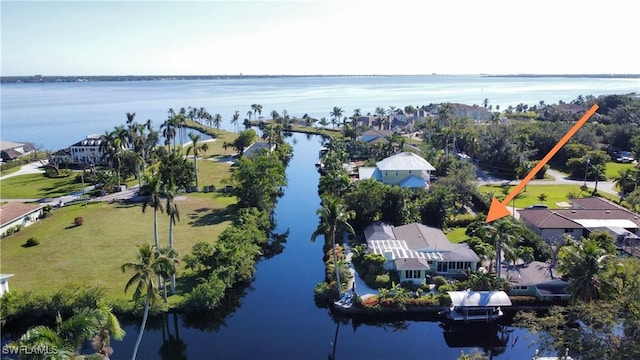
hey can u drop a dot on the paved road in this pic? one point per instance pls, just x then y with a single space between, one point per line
32 168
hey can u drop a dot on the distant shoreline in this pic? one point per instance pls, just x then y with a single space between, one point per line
95 78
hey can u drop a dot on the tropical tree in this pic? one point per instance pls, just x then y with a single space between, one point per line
333 216
598 172
149 265
98 325
626 181
235 118
584 264
323 122
217 121
152 191
112 148
169 130
336 115
195 148
174 217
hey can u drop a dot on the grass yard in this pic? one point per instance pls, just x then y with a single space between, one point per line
613 168
93 253
555 194
457 235
37 186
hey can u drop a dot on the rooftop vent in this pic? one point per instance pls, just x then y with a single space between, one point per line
607 212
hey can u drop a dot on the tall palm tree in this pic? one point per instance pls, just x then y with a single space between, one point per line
217 120
333 215
149 265
112 147
169 130
195 148
174 217
584 264
152 191
235 118
336 115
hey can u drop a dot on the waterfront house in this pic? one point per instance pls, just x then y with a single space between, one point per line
85 152
405 169
585 216
17 214
10 151
536 279
416 251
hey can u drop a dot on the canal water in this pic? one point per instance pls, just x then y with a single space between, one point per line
277 318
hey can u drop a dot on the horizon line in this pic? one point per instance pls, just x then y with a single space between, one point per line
323 75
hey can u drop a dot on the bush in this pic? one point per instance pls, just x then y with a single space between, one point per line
462 220
31 242
444 288
78 221
439 281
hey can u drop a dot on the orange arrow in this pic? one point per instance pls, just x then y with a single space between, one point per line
498 209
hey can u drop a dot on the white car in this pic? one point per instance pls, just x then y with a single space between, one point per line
624 157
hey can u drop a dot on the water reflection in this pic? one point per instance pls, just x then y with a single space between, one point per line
172 348
491 338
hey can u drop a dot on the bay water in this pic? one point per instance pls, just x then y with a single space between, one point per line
275 317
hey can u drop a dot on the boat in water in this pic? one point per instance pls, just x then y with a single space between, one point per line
476 306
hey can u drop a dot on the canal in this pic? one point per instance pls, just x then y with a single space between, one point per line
276 317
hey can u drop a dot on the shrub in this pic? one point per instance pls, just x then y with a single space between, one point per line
78 221
439 281
444 288
462 220
31 242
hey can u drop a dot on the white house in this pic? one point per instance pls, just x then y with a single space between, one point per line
85 152
415 251
405 169
4 283
16 214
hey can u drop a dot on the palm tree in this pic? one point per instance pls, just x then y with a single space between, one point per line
626 181
235 118
174 217
217 120
584 263
149 265
597 171
336 115
112 147
196 152
152 190
99 325
333 215
169 130
323 122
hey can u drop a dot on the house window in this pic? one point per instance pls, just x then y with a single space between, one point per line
396 173
386 173
409 172
567 230
412 274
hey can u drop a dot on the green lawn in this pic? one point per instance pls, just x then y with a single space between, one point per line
37 186
457 235
555 194
612 169
92 253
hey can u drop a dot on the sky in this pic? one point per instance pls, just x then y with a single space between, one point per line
323 37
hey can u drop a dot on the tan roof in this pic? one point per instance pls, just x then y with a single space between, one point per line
547 219
14 210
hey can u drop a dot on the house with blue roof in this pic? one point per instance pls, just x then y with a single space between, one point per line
404 169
